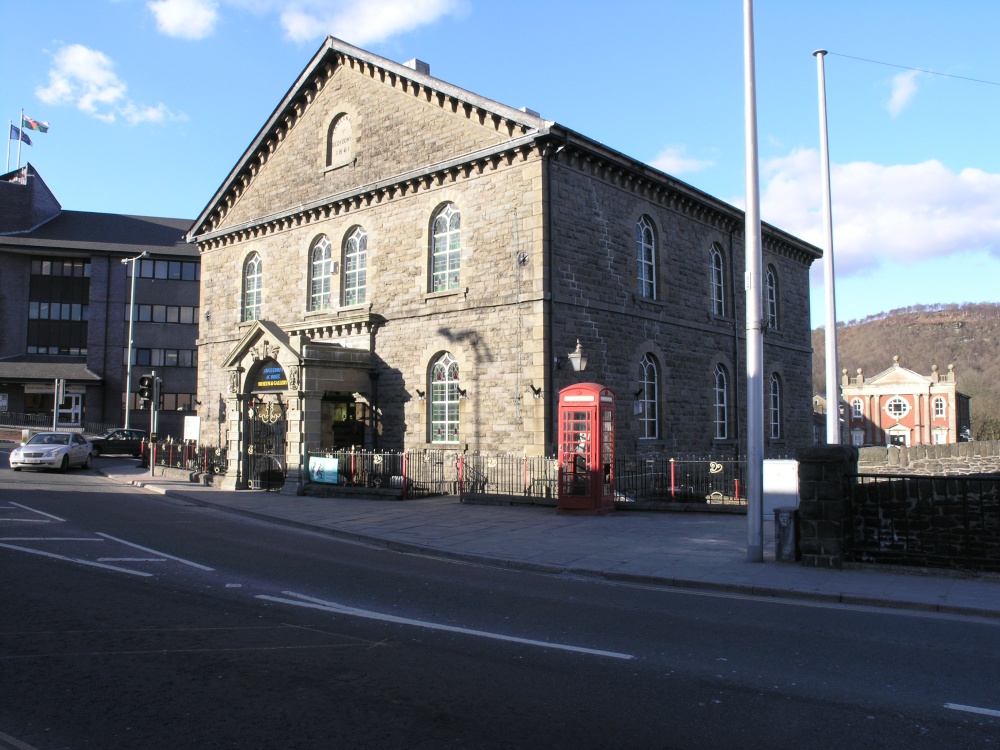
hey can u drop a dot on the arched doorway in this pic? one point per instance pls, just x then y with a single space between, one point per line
266 426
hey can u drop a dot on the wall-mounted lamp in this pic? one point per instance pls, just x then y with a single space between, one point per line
421 394
208 314
577 358
535 392
196 402
462 393
638 393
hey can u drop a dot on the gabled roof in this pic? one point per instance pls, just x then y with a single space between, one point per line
897 374
524 126
332 52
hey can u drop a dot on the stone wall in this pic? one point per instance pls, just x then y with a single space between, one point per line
980 457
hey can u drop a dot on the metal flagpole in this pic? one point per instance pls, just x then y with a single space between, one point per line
20 137
832 388
10 129
754 302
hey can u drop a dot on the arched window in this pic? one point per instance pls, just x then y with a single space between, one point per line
718 282
253 280
446 249
721 403
645 253
771 297
857 408
649 416
774 407
319 274
444 399
940 407
355 267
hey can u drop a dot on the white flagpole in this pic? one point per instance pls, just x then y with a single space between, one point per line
20 137
754 303
833 436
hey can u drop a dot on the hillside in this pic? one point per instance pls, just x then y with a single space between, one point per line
967 336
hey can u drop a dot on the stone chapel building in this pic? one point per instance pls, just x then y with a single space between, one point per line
398 263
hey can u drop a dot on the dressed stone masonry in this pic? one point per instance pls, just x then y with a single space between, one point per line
425 259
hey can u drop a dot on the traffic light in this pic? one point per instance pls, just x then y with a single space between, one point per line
147 383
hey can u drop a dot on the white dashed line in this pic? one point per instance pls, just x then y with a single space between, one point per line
972 709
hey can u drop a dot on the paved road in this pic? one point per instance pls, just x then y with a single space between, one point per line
135 620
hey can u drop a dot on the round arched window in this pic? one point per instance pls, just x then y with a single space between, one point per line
897 407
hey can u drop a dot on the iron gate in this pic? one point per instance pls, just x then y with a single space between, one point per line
266 445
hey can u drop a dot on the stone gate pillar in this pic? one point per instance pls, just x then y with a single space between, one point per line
824 503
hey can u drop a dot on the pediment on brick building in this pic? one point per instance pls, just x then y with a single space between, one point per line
897 375
356 119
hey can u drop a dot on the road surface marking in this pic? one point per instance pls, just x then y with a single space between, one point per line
131 559
155 552
15 743
39 512
75 560
307 601
972 709
49 539
26 520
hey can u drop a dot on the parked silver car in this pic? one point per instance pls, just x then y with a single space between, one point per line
52 450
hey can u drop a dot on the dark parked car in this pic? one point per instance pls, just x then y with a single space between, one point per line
120 441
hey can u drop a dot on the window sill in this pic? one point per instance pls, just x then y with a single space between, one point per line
428 296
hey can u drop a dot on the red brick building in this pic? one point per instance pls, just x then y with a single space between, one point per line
902 407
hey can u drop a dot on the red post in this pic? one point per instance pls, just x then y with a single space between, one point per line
673 478
461 473
737 490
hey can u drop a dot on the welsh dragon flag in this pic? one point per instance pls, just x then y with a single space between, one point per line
31 124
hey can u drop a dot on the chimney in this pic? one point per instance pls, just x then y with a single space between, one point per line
418 65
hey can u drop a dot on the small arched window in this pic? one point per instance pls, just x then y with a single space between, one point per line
721 403
857 408
319 274
253 280
771 297
446 249
940 407
645 251
444 399
356 267
649 415
774 406
718 282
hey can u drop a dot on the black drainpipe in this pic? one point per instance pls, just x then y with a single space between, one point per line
736 344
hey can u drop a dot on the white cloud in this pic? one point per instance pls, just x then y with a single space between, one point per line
904 88
86 78
188 19
674 160
901 214
360 22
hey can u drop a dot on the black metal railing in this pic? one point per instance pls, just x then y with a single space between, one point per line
206 459
17 419
414 473
680 480
951 522
508 474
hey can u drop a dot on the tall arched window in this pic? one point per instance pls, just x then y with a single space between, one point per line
253 280
771 297
645 253
355 267
774 407
721 403
649 416
446 249
444 399
718 282
319 274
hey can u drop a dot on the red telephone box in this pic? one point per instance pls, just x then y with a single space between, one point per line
586 449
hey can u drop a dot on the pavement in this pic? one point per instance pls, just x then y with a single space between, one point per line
682 550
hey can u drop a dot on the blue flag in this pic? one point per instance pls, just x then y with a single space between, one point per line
17 134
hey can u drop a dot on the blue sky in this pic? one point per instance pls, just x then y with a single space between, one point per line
151 102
